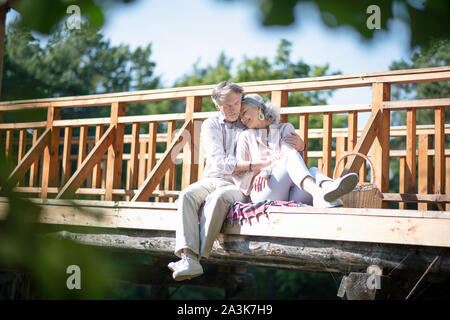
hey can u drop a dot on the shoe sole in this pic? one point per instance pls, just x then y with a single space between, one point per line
347 185
187 276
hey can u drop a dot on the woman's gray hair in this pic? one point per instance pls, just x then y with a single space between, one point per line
222 89
269 110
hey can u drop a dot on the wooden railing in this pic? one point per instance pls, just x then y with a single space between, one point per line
51 162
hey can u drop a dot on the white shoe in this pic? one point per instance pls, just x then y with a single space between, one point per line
173 265
320 202
341 186
186 268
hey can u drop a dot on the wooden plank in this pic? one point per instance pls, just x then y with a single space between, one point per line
280 99
152 134
401 187
327 142
21 150
32 154
190 150
9 143
115 152
340 150
447 180
414 197
422 103
381 145
91 160
35 165
142 162
338 227
439 150
404 227
424 166
66 161
132 173
97 171
304 133
170 178
410 169
160 169
50 163
318 83
82 145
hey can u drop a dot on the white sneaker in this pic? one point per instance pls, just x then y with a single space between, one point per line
341 186
186 268
173 265
320 202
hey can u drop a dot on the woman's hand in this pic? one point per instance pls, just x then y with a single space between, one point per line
260 180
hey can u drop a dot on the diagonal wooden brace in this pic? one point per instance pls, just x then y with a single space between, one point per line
88 164
157 173
31 156
364 143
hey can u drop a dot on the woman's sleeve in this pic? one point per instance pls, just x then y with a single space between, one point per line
287 129
243 179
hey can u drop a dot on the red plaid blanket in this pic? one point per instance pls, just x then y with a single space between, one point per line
244 211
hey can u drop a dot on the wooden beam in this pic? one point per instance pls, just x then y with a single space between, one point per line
327 143
380 226
364 143
115 152
191 149
155 176
280 99
132 168
414 197
301 84
67 152
381 146
31 156
425 164
50 163
35 165
304 131
439 150
410 169
88 164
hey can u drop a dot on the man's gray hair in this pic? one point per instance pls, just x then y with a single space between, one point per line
269 110
222 89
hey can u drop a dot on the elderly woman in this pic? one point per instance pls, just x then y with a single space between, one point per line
287 178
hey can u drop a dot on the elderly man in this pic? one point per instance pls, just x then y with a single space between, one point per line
216 188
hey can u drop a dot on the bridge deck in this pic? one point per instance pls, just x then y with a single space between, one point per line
304 238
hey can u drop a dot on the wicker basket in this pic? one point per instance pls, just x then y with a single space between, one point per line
364 195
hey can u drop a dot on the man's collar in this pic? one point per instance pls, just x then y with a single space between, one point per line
229 124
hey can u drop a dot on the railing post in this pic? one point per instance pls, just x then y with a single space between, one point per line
439 150
381 146
280 99
304 127
410 168
115 152
190 149
50 163
326 143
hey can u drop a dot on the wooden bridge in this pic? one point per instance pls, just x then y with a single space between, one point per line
122 174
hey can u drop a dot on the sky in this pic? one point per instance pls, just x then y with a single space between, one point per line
184 32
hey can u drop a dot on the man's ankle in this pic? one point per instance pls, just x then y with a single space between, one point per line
191 254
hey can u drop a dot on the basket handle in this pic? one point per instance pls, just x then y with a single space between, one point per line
372 171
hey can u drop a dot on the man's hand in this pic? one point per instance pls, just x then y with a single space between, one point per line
295 141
